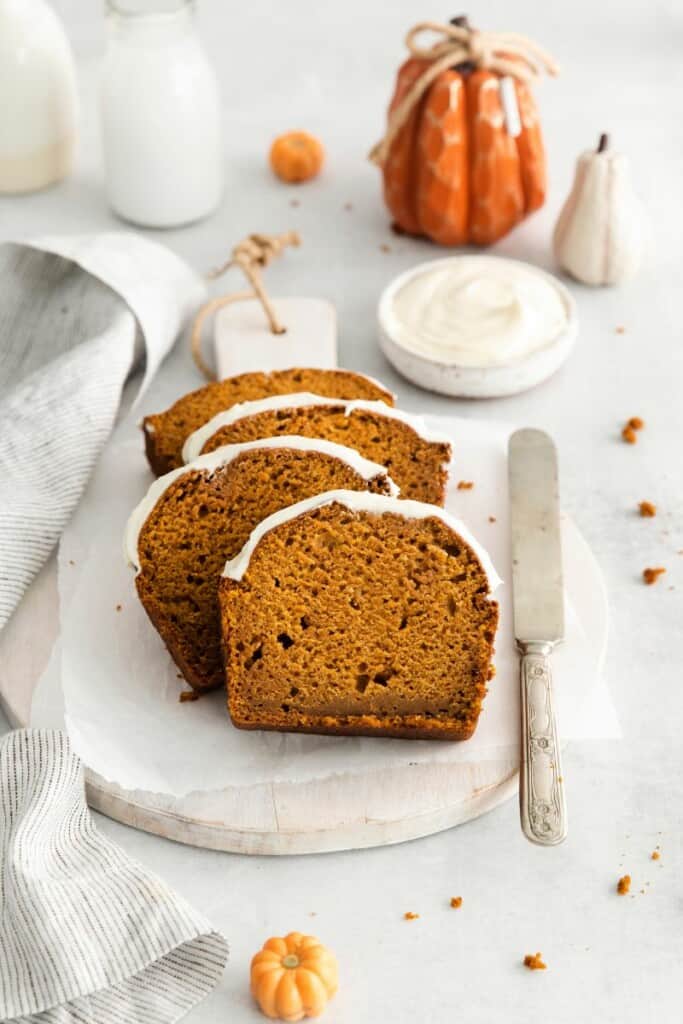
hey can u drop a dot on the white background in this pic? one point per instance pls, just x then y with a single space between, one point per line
328 67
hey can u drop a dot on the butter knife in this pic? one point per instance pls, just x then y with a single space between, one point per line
538 603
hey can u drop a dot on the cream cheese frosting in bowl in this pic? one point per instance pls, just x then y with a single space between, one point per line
476 326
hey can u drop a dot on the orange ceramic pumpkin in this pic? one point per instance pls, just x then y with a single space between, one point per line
467 163
296 157
293 977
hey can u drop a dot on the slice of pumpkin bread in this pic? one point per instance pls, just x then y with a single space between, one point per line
416 457
359 614
195 518
166 432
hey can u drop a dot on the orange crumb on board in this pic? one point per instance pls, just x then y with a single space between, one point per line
629 435
187 695
624 885
647 509
492 519
456 902
410 916
384 247
636 423
620 329
534 961
651 576
465 485
655 855
119 607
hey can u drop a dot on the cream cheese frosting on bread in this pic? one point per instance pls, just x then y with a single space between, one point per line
197 440
361 501
223 456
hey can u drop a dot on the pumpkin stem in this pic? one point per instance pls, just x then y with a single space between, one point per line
291 960
603 143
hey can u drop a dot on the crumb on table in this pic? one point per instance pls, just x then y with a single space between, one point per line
119 607
628 432
188 695
456 902
620 329
492 519
348 207
384 247
647 509
294 202
624 885
651 576
534 961
655 855
410 916
465 485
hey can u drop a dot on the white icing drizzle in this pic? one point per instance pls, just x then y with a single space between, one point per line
302 399
212 461
360 501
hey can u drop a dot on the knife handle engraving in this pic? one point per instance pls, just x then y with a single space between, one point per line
542 804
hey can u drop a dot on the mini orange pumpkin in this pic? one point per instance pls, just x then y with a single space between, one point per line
463 158
296 157
293 977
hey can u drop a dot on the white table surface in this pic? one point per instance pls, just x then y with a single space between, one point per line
328 67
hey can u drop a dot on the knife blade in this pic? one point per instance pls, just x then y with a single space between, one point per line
538 608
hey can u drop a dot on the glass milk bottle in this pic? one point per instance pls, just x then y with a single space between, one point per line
160 112
38 100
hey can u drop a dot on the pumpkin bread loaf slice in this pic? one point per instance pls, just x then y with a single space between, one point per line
165 432
359 614
416 458
195 518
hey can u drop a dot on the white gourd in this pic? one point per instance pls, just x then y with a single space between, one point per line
602 230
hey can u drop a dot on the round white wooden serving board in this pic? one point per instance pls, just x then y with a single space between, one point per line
336 813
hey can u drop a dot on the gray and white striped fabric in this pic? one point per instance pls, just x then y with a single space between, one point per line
75 316
87 936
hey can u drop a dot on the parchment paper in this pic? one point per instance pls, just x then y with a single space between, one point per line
120 688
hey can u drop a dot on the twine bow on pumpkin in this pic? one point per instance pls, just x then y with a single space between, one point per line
252 255
507 53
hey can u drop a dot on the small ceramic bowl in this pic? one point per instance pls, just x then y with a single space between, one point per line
472 381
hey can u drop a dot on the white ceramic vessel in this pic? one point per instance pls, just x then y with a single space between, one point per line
471 381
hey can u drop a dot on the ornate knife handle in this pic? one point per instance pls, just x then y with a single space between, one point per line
542 804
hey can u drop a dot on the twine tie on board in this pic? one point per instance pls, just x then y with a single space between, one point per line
251 255
506 53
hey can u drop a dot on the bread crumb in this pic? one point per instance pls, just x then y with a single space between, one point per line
624 885
384 247
118 607
492 519
348 206
651 576
71 561
188 695
294 202
456 902
534 961
620 329
628 432
465 485
655 855
410 916
647 509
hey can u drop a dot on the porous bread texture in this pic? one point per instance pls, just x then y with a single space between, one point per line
419 466
203 519
166 432
353 623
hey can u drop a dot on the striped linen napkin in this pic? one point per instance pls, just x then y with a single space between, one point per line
87 936
77 315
